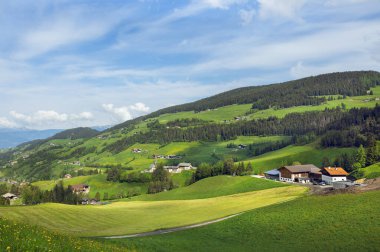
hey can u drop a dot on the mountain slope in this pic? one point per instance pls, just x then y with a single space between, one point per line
204 136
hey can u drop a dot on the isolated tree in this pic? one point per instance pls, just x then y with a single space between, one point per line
361 156
3 189
97 196
371 155
346 162
228 166
249 167
296 163
105 197
326 162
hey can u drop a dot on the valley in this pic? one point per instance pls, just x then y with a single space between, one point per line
82 185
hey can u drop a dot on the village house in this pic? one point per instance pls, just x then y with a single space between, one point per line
67 176
172 168
272 174
333 174
299 173
185 166
136 150
9 196
81 188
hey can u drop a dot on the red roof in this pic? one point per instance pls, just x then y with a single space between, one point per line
335 171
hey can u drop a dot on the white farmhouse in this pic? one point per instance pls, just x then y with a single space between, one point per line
333 174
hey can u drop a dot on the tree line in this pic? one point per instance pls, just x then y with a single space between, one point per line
366 120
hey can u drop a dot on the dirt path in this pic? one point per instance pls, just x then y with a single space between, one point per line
169 230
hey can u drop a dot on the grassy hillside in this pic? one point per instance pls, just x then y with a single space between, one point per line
23 237
304 154
141 216
343 222
98 183
372 171
213 187
50 157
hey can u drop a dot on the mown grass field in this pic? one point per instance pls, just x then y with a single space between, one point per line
141 216
305 154
22 237
372 171
213 187
343 222
98 183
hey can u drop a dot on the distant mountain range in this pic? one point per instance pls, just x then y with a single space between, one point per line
12 137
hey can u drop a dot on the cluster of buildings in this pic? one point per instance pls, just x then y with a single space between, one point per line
172 169
166 156
308 173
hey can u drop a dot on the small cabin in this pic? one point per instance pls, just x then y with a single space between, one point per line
81 188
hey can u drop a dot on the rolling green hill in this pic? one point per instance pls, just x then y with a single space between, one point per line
372 171
304 154
213 187
15 236
237 111
348 222
121 218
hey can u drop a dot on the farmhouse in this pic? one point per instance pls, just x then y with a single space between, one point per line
172 168
81 188
272 174
333 174
185 166
9 196
136 150
299 173
67 176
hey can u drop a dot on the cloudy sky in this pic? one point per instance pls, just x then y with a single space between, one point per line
89 63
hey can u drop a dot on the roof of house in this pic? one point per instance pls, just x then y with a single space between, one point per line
335 171
9 195
79 187
302 168
273 172
184 164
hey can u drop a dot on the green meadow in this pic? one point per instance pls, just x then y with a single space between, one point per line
120 218
98 183
342 222
15 236
372 171
304 154
213 187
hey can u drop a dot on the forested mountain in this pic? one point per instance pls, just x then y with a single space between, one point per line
281 95
347 115
77 133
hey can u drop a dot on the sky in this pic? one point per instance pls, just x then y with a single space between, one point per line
66 64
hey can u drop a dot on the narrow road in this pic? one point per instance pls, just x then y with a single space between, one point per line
169 230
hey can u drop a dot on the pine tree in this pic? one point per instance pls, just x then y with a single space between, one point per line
360 157
326 162
97 196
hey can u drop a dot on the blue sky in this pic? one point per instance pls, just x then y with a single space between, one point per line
65 63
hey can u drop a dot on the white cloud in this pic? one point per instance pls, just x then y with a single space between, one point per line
222 4
140 107
48 117
5 123
65 28
122 113
246 16
273 9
